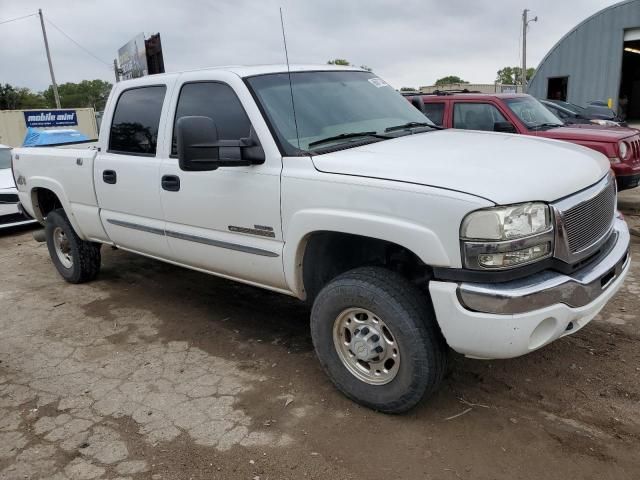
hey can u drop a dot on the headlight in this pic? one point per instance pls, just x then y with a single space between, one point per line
624 150
506 223
505 237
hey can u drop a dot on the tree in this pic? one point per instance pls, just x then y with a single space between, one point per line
16 98
342 61
513 75
88 93
338 61
448 80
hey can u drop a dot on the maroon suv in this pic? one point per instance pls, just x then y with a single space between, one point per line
523 114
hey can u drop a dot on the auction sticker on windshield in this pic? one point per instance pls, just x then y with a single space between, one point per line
378 82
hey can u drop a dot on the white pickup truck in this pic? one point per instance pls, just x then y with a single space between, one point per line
325 184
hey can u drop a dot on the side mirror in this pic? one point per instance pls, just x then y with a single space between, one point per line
199 148
504 127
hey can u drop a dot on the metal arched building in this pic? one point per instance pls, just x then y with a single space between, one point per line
599 60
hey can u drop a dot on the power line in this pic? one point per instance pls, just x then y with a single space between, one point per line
77 44
18 18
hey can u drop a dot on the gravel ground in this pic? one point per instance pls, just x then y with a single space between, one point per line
156 372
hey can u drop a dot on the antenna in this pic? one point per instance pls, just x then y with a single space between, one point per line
286 54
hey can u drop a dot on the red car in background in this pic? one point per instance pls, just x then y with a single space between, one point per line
523 114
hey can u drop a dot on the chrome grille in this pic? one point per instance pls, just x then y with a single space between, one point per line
584 220
590 220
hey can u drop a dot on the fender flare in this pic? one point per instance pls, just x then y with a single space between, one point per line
423 242
54 186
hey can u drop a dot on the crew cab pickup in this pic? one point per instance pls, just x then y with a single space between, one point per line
523 114
325 184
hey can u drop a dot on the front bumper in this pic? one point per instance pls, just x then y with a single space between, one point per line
625 182
510 319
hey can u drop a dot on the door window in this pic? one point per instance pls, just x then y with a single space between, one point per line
435 112
217 101
134 128
476 116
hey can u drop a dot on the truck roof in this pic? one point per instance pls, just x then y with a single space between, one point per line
251 70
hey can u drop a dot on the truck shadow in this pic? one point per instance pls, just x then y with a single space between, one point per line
262 329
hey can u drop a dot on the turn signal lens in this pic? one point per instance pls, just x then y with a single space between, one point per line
517 257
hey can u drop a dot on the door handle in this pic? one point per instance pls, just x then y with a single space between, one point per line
171 183
109 176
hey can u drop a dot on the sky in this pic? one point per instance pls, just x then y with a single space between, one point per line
408 43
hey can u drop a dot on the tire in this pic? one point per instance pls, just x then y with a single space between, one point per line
77 261
398 305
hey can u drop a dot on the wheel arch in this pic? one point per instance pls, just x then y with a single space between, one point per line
47 196
372 231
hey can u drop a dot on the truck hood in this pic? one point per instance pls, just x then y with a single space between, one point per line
498 167
588 133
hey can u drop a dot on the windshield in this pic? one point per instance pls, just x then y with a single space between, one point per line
532 113
572 108
354 106
5 158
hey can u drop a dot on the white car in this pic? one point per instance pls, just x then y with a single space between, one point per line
10 213
326 184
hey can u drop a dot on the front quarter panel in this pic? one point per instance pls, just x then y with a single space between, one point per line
425 220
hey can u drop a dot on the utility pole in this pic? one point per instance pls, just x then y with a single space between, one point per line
46 47
116 70
525 25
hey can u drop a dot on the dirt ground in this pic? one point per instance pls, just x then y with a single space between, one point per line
156 372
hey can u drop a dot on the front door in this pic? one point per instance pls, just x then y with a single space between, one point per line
225 221
127 175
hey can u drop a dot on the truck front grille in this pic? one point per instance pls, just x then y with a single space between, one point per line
584 220
590 220
635 148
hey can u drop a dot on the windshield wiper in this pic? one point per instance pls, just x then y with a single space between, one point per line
538 126
343 136
409 125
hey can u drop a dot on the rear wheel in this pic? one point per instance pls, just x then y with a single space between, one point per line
76 260
376 336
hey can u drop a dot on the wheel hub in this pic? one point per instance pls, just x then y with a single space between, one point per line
62 247
366 346
366 343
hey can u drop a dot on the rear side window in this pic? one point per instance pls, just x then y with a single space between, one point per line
435 112
216 101
134 128
476 116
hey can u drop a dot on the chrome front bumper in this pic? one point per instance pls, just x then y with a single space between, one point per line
549 288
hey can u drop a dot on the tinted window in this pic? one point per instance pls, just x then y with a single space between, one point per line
134 128
476 116
216 101
435 112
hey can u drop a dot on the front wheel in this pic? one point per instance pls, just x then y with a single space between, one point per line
377 338
76 260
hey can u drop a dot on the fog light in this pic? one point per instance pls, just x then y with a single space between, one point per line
517 257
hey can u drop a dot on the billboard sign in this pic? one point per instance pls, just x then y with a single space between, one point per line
132 58
50 118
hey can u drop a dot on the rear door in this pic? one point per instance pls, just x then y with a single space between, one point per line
127 174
